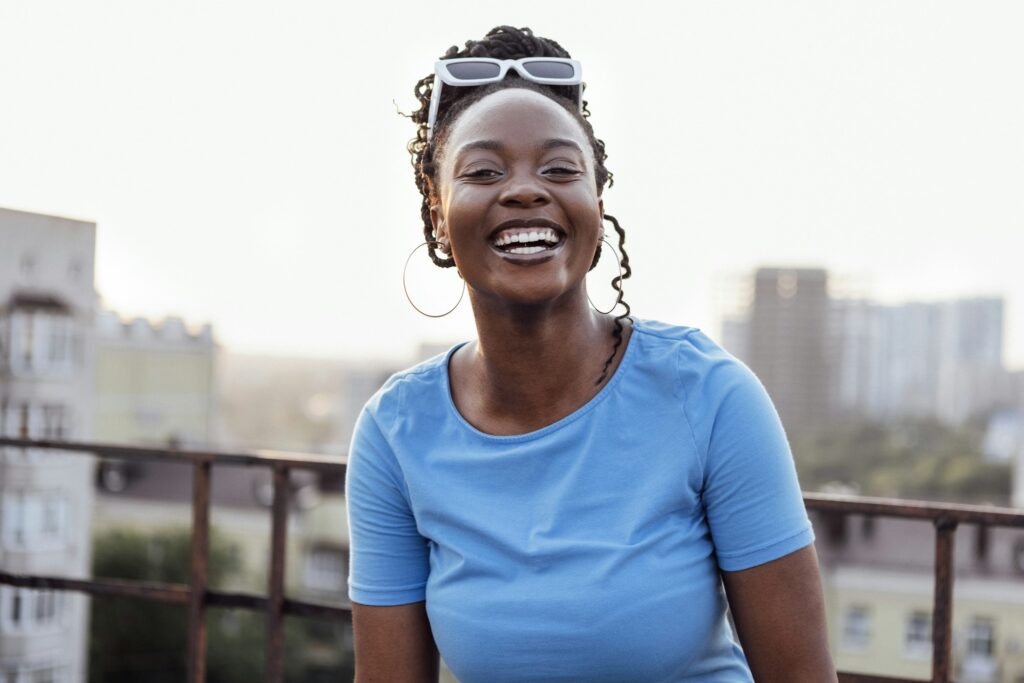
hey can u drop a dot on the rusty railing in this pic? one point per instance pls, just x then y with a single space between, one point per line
945 517
198 596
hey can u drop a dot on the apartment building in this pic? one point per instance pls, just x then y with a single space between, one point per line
877 574
47 304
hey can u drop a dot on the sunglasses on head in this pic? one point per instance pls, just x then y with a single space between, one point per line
483 70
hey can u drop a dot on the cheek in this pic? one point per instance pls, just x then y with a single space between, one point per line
463 211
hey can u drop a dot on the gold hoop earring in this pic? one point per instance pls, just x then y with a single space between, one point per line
618 299
405 288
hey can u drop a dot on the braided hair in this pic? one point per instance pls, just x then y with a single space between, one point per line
504 42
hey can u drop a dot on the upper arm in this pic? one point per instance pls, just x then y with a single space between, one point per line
751 494
779 614
759 526
394 644
389 567
389 559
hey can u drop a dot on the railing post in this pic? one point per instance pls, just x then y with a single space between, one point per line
199 573
942 615
275 585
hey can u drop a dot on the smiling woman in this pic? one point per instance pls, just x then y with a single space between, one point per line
572 496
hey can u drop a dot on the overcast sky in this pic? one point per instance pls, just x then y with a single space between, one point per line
245 163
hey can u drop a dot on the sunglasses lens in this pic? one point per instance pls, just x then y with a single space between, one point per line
471 71
549 69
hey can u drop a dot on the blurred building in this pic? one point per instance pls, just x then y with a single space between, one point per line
824 358
47 304
787 344
154 387
1004 442
939 359
878 581
154 382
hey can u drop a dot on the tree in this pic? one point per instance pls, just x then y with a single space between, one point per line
914 459
135 640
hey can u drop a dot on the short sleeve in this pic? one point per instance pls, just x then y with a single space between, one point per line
388 558
751 494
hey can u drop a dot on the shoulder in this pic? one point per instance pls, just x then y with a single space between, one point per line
714 386
700 364
423 383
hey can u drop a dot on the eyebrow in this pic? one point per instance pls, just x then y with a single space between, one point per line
562 142
495 146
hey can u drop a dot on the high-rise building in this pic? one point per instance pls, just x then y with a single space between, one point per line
822 358
47 303
937 359
787 343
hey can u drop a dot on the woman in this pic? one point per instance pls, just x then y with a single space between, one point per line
571 497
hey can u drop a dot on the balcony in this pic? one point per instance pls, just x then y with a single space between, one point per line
198 596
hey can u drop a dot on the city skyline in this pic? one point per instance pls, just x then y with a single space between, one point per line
243 172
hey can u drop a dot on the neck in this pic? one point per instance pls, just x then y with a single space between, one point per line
535 363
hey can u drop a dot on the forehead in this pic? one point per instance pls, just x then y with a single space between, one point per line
515 118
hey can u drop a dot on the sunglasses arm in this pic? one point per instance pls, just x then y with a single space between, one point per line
435 105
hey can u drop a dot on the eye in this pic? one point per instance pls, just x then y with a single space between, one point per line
481 173
564 171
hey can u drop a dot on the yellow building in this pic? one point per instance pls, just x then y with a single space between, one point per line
154 382
156 385
878 581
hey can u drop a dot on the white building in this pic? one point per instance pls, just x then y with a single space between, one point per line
941 359
47 303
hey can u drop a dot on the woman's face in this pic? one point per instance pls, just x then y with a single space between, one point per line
517 198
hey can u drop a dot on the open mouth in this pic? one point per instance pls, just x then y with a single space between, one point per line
529 240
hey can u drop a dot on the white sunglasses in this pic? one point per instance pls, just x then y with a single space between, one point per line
482 70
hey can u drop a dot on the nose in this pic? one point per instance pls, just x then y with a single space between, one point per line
524 189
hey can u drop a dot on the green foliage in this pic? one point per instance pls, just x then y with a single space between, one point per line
922 459
137 640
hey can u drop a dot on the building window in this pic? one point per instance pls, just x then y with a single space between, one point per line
41 342
5 344
12 519
33 520
981 638
61 336
8 419
917 641
27 265
22 341
17 608
326 569
37 674
856 627
55 422
26 611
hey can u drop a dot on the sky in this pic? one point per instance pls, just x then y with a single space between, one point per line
245 160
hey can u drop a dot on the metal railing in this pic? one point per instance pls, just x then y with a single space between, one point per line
198 596
945 517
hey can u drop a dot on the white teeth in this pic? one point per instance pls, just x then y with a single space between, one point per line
526 250
541 234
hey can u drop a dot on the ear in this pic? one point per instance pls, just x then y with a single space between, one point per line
440 226
600 208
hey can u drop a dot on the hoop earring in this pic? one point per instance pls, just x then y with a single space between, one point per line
405 288
618 262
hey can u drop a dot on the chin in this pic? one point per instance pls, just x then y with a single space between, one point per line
539 295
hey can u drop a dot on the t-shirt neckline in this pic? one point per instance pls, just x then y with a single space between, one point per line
596 399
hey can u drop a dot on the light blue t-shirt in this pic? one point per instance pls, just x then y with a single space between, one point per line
588 550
